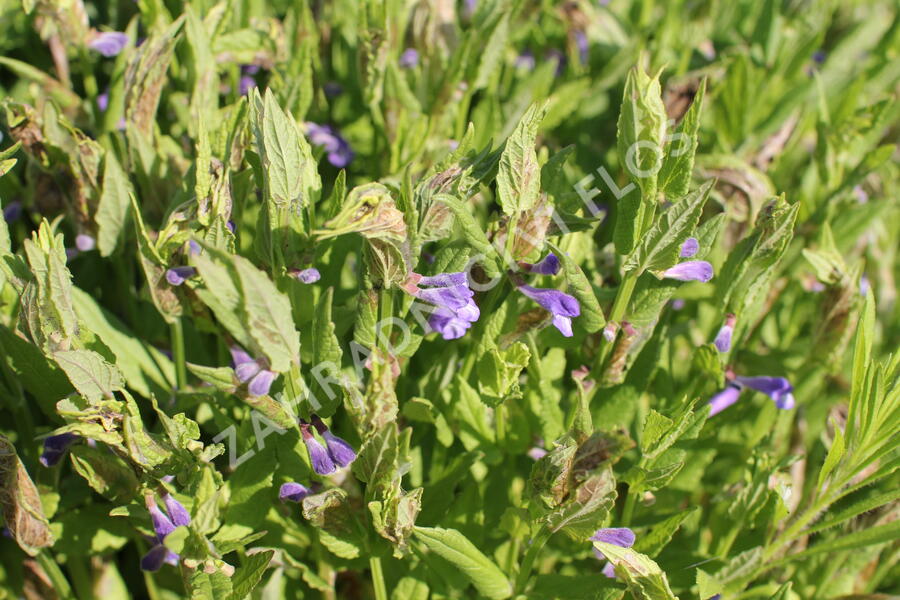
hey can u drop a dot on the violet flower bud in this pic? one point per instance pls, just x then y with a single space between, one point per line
310 275
723 338
778 389
85 242
293 492
336 147
724 399
55 447
692 270
548 266
12 211
252 372
617 536
322 462
177 512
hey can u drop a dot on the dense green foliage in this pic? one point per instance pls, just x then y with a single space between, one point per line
599 297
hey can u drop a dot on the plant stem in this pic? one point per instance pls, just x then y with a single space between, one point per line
620 306
81 578
378 578
537 544
60 583
177 331
628 509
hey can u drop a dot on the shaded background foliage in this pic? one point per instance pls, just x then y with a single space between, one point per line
241 142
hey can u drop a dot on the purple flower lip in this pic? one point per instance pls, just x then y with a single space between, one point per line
178 275
525 61
724 399
310 275
583 47
246 84
293 492
341 452
561 305
455 305
692 270
55 448
537 453
103 101
163 525
336 147
12 211
252 372
109 43
548 266
778 389
177 512
690 247
409 59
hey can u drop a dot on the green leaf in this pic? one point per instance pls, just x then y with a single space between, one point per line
105 472
644 578
660 247
92 376
326 352
112 210
519 177
678 167
453 546
268 317
660 534
880 534
473 233
857 508
249 574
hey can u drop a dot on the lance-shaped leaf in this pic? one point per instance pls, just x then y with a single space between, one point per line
473 233
143 448
105 472
640 138
145 77
92 376
480 570
519 177
114 204
660 246
163 295
644 578
251 571
267 312
588 507
675 175
50 316
23 513
327 358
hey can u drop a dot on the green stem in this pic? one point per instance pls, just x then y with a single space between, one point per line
177 331
537 544
60 583
620 306
81 578
628 509
500 424
378 579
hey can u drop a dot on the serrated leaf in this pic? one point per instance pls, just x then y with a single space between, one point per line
473 233
677 169
660 247
114 205
92 376
249 574
23 513
326 351
519 177
644 578
481 571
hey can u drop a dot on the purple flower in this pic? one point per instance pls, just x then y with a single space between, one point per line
246 84
449 292
252 372
525 61
559 57
293 492
861 195
103 101
336 147
561 305
678 303
230 225
863 285
409 59
159 554
583 47
12 211
322 462
55 448
109 43
341 453
723 338
819 57
178 275
724 399
689 247
692 270
85 242
177 512
617 536
548 266
332 89
194 247
778 389
469 7
310 275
